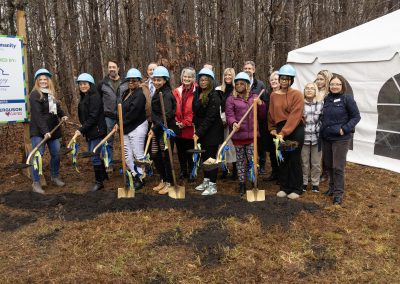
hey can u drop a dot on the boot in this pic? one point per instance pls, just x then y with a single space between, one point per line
100 174
224 173
234 171
37 187
138 184
242 189
57 181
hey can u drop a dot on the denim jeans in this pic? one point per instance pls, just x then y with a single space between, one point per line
110 125
96 161
54 148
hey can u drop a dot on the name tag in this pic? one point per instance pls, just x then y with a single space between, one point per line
337 100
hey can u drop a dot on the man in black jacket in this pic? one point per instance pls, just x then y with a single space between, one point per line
108 91
256 87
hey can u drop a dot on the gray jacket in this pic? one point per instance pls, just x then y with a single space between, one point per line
109 96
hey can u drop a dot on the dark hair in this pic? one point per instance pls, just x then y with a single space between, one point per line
113 61
342 80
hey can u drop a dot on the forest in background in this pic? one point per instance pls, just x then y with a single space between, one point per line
73 36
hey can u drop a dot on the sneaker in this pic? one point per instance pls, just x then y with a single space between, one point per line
165 189
160 186
305 187
204 185
37 187
293 195
211 189
315 188
281 194
57 181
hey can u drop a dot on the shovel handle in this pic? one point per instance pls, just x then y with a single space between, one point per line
168 142
149 137
239 123
104 139
121 138
72 140
28 160
255 152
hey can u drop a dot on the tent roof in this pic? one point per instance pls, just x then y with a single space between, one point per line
376 40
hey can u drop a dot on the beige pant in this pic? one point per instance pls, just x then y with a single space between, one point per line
311 157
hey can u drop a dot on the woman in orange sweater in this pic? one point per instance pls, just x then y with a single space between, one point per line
285 121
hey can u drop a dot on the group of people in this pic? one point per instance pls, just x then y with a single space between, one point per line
299 130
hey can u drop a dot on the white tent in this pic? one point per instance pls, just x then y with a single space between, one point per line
368 56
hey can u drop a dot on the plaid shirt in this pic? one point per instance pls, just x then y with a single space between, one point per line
312 119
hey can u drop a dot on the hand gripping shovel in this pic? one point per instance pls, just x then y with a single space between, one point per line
178 192
123 192
33 152
255 194
211 164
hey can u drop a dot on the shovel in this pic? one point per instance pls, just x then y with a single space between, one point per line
123 192
255 194
211 163
93 153
27 164
68 149
195 150
178 191
145 162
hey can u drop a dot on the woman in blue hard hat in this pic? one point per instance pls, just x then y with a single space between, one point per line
209 127
161 156
46 113
285 116
94 128
135 123
236 106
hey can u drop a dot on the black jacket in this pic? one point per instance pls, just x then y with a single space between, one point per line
207 119
41 120
170 109
133 109
91 115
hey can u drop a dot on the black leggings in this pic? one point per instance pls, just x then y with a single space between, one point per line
160 157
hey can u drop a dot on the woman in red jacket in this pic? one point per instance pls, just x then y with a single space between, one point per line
183 116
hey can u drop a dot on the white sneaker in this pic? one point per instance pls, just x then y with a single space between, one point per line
204 185
211 189
281 194
293 195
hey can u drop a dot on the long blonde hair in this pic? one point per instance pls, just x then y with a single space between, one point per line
327 76
230 70
50 83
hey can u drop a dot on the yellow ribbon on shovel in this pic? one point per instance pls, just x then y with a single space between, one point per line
37 163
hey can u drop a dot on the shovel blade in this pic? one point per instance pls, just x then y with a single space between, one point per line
210 167
255 195
18 166
177 192
65 151
125 193
86 154
142 163
192 151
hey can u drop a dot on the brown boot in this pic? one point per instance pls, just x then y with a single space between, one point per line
165 189
160 186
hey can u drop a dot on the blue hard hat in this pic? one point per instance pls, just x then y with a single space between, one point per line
85 77
287 70
161 71
42 71
207 72
133 73
242 76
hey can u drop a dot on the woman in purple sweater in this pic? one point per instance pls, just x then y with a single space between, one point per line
236 106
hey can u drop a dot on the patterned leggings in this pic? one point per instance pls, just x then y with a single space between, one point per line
243 152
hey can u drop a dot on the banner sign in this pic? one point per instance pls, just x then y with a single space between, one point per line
13 99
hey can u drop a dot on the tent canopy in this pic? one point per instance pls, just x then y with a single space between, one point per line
376 40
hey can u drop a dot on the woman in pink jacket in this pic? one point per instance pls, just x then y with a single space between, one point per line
236 106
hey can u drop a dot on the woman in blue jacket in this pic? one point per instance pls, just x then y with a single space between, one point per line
340 116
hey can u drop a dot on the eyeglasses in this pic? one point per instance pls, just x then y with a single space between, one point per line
309 89
334 84
284 79
133 80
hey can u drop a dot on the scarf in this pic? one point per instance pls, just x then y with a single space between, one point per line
52 101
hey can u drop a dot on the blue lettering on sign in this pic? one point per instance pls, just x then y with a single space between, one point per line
9 45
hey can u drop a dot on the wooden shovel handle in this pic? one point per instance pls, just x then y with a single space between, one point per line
121 138
255 152
149 137
239 123
72 140
104 139
28 160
